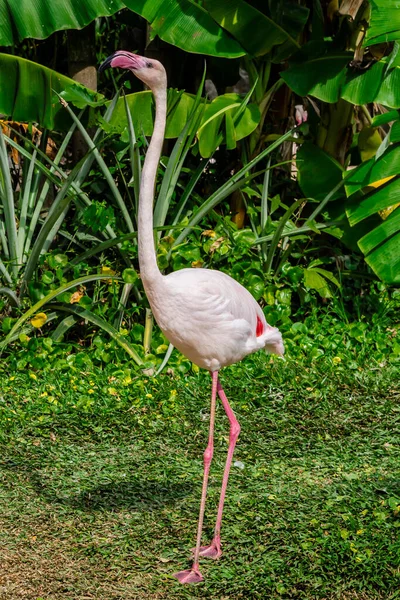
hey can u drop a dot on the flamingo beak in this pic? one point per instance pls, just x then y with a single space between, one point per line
124 60
106 64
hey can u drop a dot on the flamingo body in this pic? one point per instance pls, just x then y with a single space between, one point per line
211 318
207 315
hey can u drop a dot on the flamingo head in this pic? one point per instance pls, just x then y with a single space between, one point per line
148 70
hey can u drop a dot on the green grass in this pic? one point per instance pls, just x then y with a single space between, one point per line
101 471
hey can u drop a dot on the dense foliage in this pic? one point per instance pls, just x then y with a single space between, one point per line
284 172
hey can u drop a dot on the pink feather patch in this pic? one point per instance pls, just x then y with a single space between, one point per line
260 327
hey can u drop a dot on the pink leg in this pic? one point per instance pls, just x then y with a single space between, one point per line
193 575
214 549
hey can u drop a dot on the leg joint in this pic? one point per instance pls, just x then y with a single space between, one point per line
235 430
208 454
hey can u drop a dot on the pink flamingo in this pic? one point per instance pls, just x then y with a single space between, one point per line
207 315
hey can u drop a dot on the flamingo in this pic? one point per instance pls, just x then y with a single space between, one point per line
208 316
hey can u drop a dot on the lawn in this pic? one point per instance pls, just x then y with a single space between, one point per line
101 479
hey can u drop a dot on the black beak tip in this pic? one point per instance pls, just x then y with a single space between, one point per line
106 64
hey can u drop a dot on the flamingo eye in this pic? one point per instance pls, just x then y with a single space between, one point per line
150 65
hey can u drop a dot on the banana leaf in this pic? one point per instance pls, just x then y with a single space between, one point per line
27 92
182 23
255 31
180 105
384 23
38 19
187 25
374 189
321 71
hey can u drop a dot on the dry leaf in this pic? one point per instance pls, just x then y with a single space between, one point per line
209 233
215 245
76 296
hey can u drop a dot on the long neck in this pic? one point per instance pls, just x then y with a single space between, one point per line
149 271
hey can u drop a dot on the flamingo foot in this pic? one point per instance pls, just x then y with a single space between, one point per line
192 575
212 551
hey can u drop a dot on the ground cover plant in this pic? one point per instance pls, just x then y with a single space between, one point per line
100 473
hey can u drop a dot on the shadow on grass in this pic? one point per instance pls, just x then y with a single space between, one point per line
132 493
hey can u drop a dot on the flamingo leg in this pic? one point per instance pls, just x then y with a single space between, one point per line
214 549
193 575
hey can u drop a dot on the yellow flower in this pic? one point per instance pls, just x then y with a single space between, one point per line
107 270
90 391
149 395
337 360
39 320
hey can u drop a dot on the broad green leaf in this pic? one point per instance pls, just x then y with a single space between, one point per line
141 107
256 32
381 180
27 91
38 19
187 25
373 171
369 141
381 247
328 275
225 108
314 281
384 23
82 97
129 276
389 227
318 172
379 199
391 115
319 70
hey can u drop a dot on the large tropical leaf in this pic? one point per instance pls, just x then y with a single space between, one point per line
180 106
318 175
141 108
318 172
27 92
226 108
255 31
381 247
321 71
187 25
182 23
38 19
373 187
385 22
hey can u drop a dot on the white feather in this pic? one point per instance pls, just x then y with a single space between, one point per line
211 318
